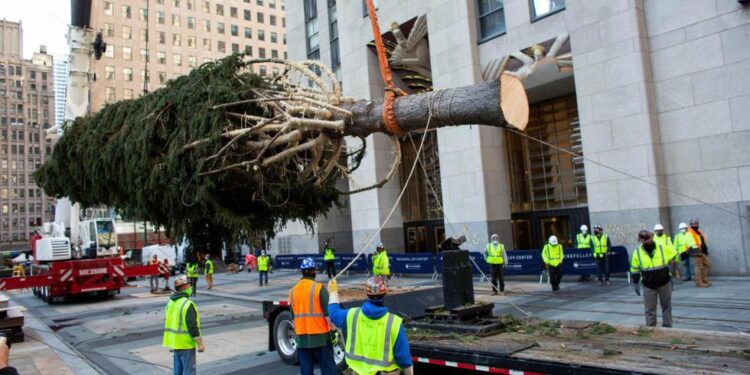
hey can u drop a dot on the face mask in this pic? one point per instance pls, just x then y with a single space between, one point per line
189 291
495 242
585 231
683 230
659 233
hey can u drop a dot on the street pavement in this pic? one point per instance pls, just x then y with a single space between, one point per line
122 335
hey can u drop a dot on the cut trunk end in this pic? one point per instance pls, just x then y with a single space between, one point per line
513 101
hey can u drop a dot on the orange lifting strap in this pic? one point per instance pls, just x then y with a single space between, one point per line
389 115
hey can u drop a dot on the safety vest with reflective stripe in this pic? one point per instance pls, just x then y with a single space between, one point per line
309 317
682 241
209 270
600 245
263 263
696 238
328 254
642 262
495 253
380 264
192 270
552 254
663 240
583 241
176 335
369 342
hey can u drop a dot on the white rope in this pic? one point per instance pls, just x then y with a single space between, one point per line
493 287
400 195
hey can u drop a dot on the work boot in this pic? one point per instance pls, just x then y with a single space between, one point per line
606 283
494 292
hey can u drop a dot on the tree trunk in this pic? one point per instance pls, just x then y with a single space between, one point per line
498 102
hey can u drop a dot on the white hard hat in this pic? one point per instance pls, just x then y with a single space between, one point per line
658 227
494 236
683 226
553 240
584 227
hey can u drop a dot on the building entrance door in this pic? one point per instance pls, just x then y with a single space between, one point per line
557 226
423 237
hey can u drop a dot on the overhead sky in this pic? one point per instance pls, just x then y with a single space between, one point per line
43 22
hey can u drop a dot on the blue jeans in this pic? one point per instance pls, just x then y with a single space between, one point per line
686 269
602 268
323 356
262 275
184 362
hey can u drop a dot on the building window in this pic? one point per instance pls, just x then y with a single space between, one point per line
109 94
272 4
235 48
206 25
221 46
127 53
109 8
189 4
333 31
177 59
109 30
260 17
262 53
207 44
272 20
544 8
234 30
247 15
206 7
126 11
259 2
127 32
491 14
191 23
127 74
110 51
160 17
162 37
176 40
248 33
143 14
233 12
262 71
261 35
274 54
219 9
109 73
145 76
191 42
249 50
176 3
274 38
127 94
364 7
311 29
144 35
220 27
162 77
161 57
192 61
175 20
144 55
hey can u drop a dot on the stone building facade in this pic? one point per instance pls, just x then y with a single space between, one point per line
655 109
27 109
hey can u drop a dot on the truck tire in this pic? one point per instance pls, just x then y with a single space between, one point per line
284 339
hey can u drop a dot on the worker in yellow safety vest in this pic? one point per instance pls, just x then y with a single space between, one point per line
208 272
583 241
191 271
682 242
496 257
663 239
264 265
380 263
601 247
650 264
376 341
552 256
329 256
182 328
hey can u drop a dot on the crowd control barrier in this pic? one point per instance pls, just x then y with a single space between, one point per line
412 263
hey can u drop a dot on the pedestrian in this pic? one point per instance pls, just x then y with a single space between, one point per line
650 265
264 265
154 279
601 247
698 250
182 328
381 265
375 338
251 261
165 273
583 241
192 275
682 241
497 258
660 238
309 302
552 256
208 272
329 256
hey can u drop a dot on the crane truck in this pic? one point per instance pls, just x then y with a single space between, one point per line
77 257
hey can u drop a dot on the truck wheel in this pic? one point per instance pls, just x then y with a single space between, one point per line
284 338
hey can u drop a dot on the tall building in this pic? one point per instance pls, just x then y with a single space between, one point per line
152 41
61 86
26 111
655 104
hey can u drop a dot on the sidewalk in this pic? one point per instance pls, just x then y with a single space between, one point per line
43 353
